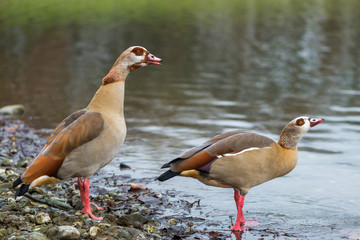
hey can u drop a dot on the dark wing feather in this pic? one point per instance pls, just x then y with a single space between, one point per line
192 151
237 143
230 142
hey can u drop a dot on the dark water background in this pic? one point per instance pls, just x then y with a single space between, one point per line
227 65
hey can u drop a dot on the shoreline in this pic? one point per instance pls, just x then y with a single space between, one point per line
51 212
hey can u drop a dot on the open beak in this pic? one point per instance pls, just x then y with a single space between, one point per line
315 121
152 59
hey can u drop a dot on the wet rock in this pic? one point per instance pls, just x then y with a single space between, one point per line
6 185
37 236
135 232
123 234
60 203
76 202
23 162
16 109
12 206
172 221
104 225
110 217
18 238
132 219
3 233
42 228
63 233
7 162
94 231
150 228
42 218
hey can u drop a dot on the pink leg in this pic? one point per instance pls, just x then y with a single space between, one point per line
84 194
240 219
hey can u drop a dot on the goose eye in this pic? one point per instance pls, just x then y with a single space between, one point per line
300 122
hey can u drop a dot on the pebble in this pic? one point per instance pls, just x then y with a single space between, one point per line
42 218
7 162
63 233
37 236
16 109
132 219
94 231
172 221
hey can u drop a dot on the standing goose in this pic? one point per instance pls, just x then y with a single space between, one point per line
88 139
241 160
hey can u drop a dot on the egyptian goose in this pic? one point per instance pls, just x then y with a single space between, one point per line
88 139
241 160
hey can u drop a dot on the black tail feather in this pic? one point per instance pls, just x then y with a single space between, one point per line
167 165
17 182
22 190
167 175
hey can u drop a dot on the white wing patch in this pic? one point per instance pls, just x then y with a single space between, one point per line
238 153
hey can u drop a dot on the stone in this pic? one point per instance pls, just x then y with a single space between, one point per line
150 228
172 221
131 219
5 185
23 162
134 232
7 162
63 233
94 231
110 217
123 234
37 236
16 109
42 218
3 233
18 238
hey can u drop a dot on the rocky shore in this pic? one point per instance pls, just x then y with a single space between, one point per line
53 212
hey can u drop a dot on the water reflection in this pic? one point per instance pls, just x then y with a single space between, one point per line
244 64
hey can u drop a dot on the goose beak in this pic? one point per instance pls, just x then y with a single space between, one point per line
151 59
315 121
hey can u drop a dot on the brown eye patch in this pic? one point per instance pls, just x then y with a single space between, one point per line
138 51
300 122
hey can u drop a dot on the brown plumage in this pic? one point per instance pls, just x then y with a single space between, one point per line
88 139
241 160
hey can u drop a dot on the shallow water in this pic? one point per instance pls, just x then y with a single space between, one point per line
251 65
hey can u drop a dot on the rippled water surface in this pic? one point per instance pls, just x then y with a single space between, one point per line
228 65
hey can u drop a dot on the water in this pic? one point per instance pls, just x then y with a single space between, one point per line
228 65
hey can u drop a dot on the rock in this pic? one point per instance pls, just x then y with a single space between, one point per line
17 109
3 233
76 202
7 162
110 217
37 236
42 218
150 228
5 185
135 233
63 233
172 221
18 238
123 234
23 162
131 219
94 231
